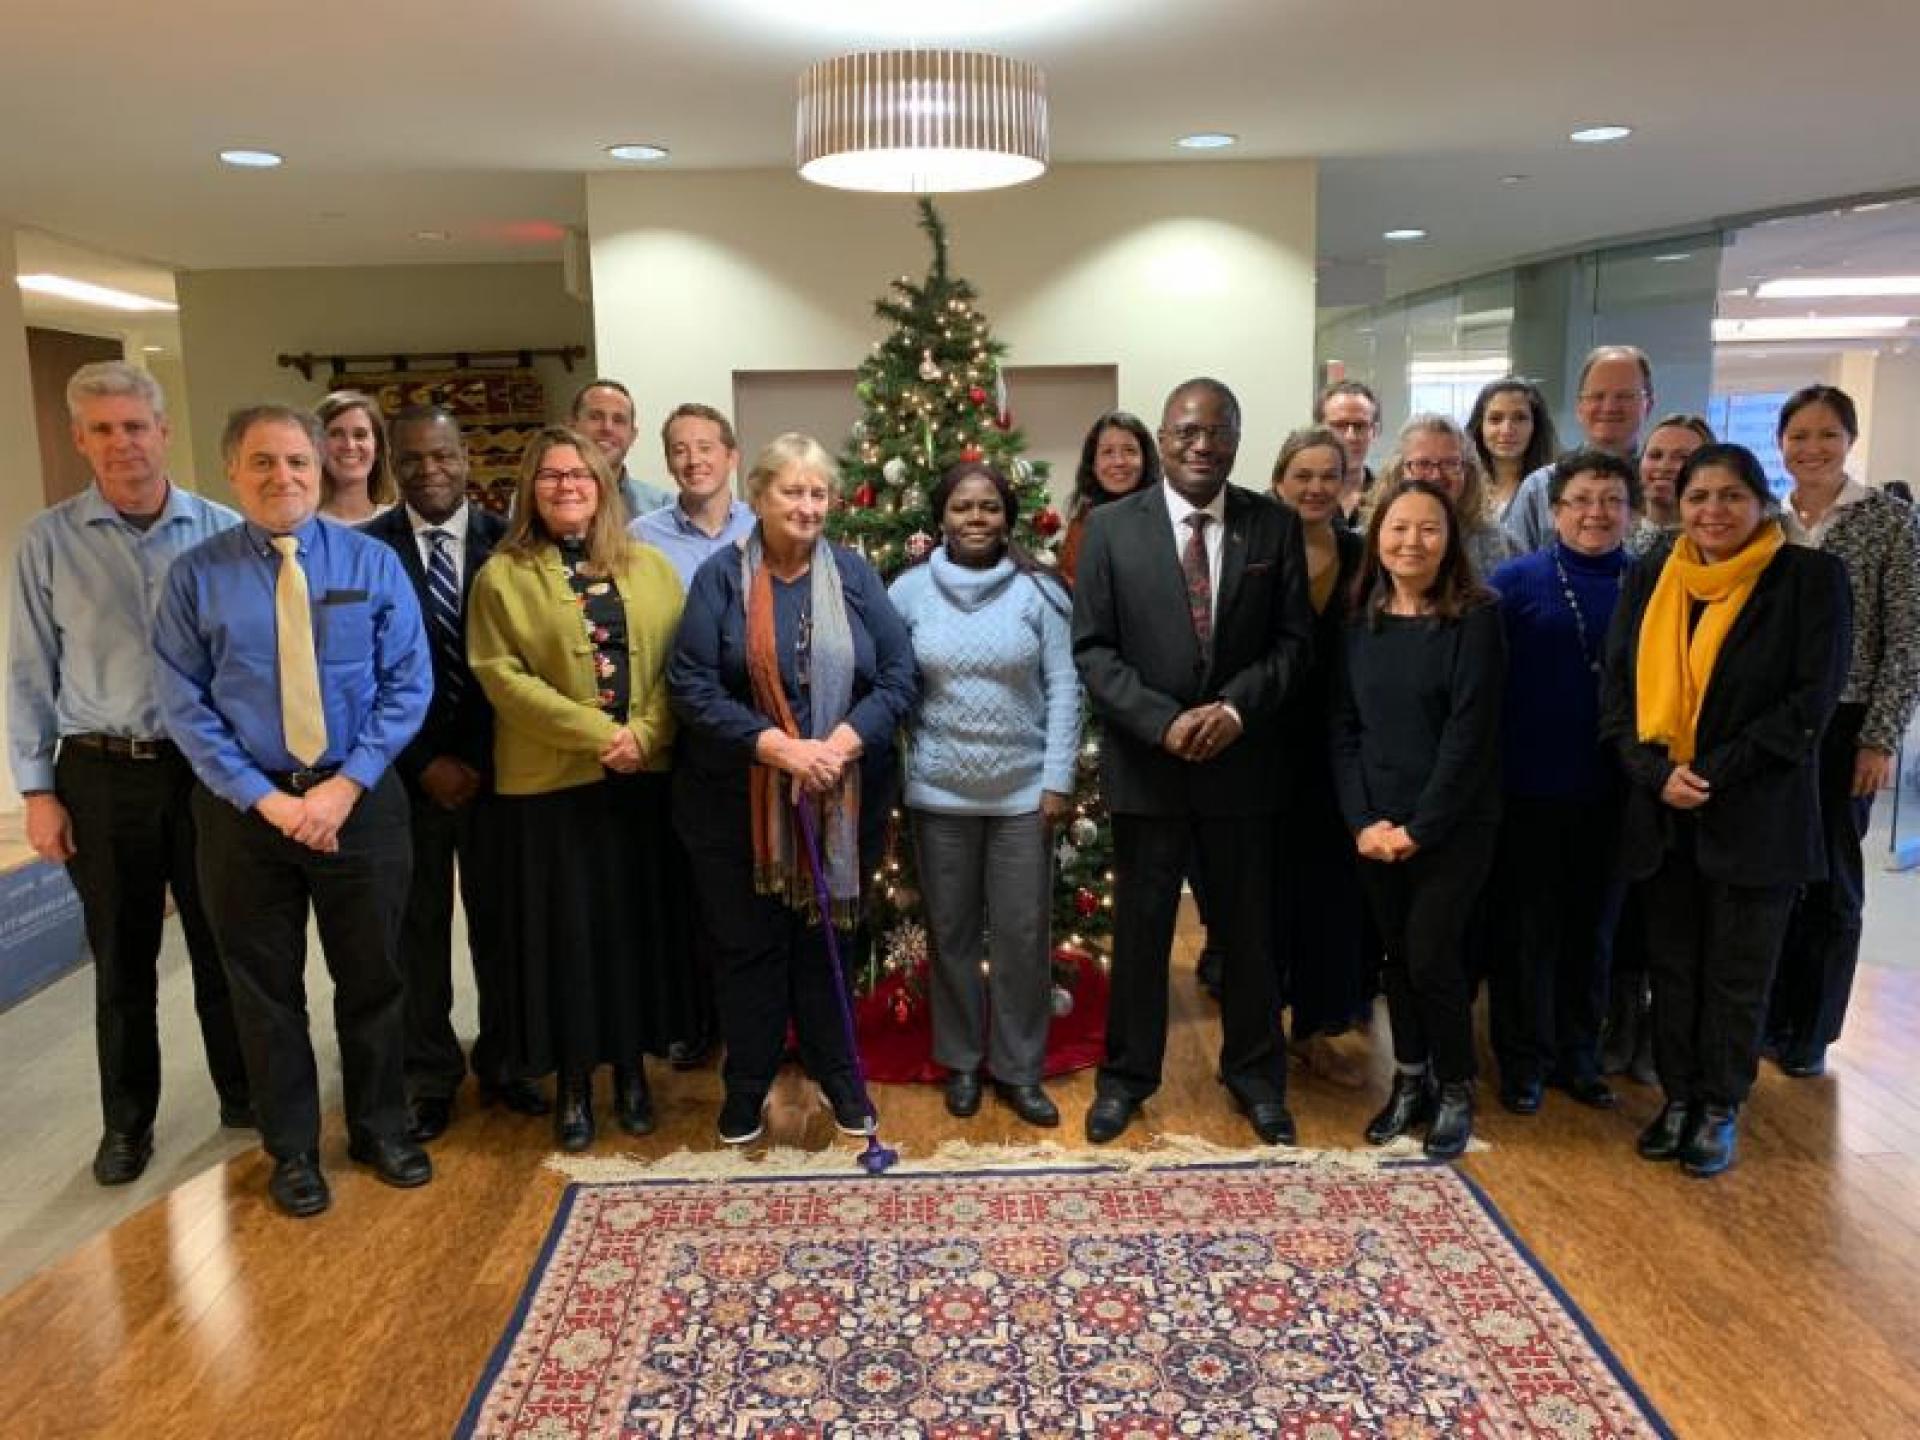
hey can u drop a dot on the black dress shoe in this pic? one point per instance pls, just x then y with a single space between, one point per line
431 1116
1589 1090
851 1114
573 1113
1410 1104
1804 1062
1669 1133
521 1096
1030 1103
237 1115
689 1054
1522 1097
298 1187
743 1118
632 1103
963 1094
1108 1116
122 1157
1452 1124
1270 1120
396 1160
1709 1150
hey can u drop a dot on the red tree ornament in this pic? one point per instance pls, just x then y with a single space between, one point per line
971 452
864 496
977 395
1047 522
1085 902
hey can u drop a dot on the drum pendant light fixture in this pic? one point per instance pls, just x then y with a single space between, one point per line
921 122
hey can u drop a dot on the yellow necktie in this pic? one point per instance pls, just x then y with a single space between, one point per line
302 718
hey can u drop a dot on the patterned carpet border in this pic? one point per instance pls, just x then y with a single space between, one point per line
1631 1415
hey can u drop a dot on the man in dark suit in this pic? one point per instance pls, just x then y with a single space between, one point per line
1190 625
442 541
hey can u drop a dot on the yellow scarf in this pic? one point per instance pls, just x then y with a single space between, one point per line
1673 667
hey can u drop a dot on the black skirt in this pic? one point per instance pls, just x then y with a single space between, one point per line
595 942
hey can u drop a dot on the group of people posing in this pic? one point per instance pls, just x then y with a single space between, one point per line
1396 737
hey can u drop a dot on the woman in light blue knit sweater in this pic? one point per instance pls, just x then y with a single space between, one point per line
990 755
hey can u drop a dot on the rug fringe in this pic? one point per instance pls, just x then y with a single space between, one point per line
955 1157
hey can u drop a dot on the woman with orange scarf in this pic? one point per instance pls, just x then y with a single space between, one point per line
1725 661
790 675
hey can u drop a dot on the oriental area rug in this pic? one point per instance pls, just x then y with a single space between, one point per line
1309 1300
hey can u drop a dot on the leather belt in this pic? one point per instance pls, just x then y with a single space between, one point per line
299 782
125 747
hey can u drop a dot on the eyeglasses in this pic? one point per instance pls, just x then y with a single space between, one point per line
1425 467
1225 437
1352 427
1592 502
554 479
1612 397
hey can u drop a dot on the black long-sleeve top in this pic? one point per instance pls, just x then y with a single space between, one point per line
1416 722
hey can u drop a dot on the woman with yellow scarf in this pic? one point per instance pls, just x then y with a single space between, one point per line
1725 661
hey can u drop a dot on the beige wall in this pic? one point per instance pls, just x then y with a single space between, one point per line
1166 271
234 323
20 491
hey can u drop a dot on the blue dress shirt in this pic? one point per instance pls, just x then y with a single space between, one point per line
642 498
84 589
218 672
684 543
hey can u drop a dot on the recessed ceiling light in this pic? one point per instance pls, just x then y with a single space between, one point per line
637 154
252 159
1674 258
1839 287
1406 233
1600 134
431 235
1207 140
85 294
1514 179
153 349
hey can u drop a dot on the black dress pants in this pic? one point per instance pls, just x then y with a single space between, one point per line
1550 889
1422 906
1711 950
133 839
1151 856
447 843
1822 948
258 886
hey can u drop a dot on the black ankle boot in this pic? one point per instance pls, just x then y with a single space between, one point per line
1669 1133
573 1110
1452 1124
1410 1104
632 1104
1709 1150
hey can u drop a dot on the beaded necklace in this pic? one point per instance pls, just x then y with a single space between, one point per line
1579 616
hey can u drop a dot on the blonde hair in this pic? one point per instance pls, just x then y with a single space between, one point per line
527 535
787 452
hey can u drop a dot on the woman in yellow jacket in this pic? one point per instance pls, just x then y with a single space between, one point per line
569 630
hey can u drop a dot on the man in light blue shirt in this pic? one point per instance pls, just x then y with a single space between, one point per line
1612 400
107 794
701 456
293 668
603 411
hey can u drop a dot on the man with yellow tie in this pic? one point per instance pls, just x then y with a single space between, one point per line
292 667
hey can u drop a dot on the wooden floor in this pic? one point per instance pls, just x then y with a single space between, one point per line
1780 1300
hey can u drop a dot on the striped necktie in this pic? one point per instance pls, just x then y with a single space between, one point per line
443 616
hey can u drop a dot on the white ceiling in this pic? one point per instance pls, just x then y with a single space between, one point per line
479 118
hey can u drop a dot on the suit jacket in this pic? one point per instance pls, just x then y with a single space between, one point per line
465 730
1138 657
1773 689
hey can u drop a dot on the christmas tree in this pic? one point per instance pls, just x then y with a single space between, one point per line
933 395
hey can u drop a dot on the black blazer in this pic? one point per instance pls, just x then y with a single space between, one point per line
1773 688
464 731
1134 644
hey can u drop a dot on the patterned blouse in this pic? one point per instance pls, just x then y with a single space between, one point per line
605 619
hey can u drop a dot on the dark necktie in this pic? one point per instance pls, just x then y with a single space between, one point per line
443 615
1193 564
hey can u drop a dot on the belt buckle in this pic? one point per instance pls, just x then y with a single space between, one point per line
142 749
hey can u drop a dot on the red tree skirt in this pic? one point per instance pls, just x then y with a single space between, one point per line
900 1052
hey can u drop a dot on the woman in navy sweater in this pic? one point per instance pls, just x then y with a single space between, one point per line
1416 759
1562 789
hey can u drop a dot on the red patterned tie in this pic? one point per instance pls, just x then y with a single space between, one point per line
1193 564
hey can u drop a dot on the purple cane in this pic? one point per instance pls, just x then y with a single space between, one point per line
876 1159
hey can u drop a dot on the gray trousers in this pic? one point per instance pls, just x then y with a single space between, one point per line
988 877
